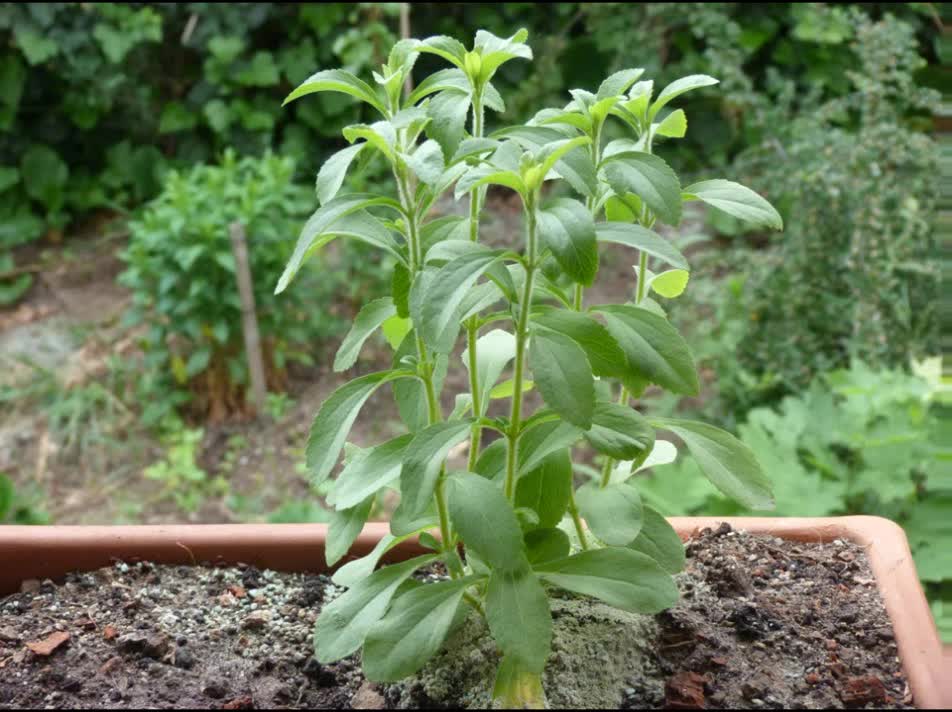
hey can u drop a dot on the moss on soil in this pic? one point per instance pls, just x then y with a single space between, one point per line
595 649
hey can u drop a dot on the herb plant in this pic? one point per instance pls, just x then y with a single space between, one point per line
515 511
181 271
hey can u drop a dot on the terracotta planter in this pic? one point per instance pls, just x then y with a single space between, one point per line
51 552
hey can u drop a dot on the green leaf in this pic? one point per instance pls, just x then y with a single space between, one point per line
663 452
620 432
35 47
736 200
491 462
547 488
485 521
368 320
368 471
622 578
613 513
395 330
9 177
496 51
545 545
517 611
623 208
402 525
653 347
380 135
637 105
727 462
198 361
450 49
618 83
447 111
488 175
333 171
563 376
353 572
508 387
340 81
344 528
677 88
658 540
575 167
44 176
346 621
412 631
410 394
567 228
452 79
494 351
569 118
11 291
648 177
670 283
261 71
674 125
539 441
400 285
551 153
472 147
439 318
335 418
175 117
426 162
603 352
341 216
423 460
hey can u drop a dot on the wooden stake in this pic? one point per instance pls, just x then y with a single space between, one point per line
249 317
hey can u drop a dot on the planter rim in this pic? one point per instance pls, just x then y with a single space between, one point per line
39 552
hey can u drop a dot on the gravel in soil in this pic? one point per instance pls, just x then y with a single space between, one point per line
762 623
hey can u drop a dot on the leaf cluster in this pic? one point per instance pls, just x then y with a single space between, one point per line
515 509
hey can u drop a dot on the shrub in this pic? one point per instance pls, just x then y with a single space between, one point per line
515 508
181 271
856 274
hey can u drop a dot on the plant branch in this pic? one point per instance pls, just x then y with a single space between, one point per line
522 333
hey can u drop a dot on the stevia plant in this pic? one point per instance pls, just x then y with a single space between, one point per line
511 524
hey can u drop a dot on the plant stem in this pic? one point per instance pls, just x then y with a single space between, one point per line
579 297
522 329
577 520
476 196
472 333
642 269
472 330
425 365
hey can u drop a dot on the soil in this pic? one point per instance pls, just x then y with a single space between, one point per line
762 623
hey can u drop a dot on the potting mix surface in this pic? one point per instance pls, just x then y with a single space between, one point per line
762 623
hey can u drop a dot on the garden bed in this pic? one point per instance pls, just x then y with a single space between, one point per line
762 623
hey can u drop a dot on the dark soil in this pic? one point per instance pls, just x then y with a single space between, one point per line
762 623
769 623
